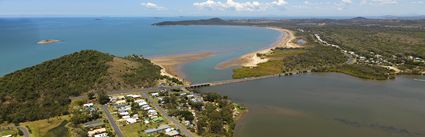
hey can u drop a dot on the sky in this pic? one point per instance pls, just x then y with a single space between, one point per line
170 8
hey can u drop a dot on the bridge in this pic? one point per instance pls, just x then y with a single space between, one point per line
230 81
206 84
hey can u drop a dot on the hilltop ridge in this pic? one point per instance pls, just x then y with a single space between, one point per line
44 90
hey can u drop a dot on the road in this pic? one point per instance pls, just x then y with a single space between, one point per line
182 128
111 120
25 131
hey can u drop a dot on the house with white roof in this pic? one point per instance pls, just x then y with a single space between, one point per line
96 131
155 94
101 135
88 105
131 120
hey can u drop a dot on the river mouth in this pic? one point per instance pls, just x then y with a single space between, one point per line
329 105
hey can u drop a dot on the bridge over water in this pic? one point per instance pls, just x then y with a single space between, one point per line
230 81
207 84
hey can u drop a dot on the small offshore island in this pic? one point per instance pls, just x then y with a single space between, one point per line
48 41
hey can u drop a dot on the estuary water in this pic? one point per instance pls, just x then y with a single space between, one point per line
329 105
125 36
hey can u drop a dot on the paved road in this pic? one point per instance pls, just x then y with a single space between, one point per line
25 131
111 120
182 128
351 59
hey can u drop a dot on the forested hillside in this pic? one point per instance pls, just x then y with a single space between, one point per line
43 90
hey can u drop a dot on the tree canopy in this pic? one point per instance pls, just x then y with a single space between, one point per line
43 90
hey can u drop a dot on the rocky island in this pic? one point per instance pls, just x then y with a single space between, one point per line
48 41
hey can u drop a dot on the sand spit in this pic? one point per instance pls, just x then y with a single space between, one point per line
172 65
252 59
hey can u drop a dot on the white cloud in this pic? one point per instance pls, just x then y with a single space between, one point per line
378 2
150 5
238 6
347 1
417 2
279 2
343 4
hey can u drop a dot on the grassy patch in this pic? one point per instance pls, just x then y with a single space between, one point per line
267 68
8 129
284 53
47 127
131 130
61 129
274 66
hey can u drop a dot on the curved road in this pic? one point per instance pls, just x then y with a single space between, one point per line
111 120
25 131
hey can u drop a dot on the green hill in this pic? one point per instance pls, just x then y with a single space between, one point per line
43 90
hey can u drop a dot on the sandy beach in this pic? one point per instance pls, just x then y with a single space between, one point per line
251 59
172 65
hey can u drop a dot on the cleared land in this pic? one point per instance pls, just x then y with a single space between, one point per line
48 127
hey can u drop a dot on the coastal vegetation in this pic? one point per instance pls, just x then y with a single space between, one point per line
401 48
363 71
146 75
206 114
44 90
217 117
9 129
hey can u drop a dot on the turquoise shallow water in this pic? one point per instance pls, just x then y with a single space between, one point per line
124 36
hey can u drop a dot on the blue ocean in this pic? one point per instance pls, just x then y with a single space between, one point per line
123 36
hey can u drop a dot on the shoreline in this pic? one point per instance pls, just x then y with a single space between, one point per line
252 60
172 64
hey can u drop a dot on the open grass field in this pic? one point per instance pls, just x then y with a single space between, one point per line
266 68
131 130
51 127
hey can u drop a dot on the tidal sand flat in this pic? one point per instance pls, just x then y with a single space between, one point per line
251 59
329 105
173 64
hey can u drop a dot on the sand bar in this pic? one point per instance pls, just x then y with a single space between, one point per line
172 65
252 60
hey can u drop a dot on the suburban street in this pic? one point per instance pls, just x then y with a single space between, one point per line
182 128
111 120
